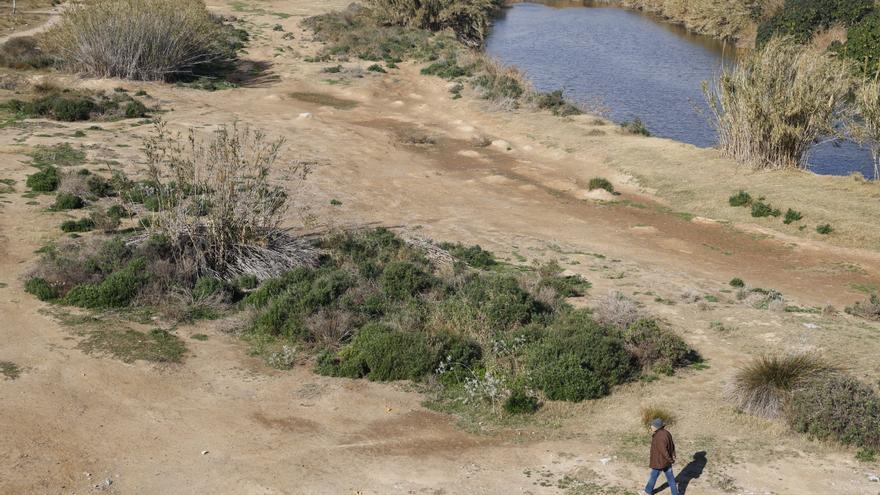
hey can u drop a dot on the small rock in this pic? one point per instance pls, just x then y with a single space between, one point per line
605 460
812 326
873 478
204 452
108 482
305 115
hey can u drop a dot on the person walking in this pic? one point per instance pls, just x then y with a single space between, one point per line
662 457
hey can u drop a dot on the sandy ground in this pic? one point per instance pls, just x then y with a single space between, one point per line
222 422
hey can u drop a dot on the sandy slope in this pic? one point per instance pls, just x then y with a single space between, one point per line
72 420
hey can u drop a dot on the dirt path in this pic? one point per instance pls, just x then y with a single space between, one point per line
223 422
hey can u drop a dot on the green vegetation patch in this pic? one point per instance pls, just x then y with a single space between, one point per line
601 183
59 155
157 345
325 100
72 106
46 180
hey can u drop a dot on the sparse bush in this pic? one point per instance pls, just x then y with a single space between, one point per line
506 86
617 311
771 107
799 19
447 68
650 413
866 129
46 180
824 229
72 106
59 155
601 183
23 52
282 359
764 386
468 19
67 201
741 198
792 216
139 39
636 127
762 209
376 68
869 309
655 348
520 402
557 103
81 225
40 288
839 408
737 282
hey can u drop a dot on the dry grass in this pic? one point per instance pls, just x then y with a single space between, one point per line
468 19
775 104
764 386
726 19
650 413
867 128
217 205
617 311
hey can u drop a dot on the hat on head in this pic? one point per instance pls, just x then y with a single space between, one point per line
657 423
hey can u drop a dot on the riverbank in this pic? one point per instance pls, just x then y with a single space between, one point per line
396 149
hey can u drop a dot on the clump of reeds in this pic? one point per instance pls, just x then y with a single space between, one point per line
216 205
764 386
136 39
772 106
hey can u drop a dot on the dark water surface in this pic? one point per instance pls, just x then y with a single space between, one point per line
635 66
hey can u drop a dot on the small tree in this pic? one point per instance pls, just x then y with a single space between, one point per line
867 128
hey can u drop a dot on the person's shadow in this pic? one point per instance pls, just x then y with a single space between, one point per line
692 471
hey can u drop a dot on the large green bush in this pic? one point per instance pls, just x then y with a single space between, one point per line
46 180
838 408
863 44
801 18
115 291
40 288
402 279
382 354
578 360
657 348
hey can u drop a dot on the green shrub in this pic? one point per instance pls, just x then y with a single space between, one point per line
68 201
801 18
863 44
60 155
792 216
579 360
40 288
117 212
206 287
474 256
635 126
741 198
81 225
838 408
70 106
99 186
117 290
46 180
737 282
376 68
764 386
447 68
601 183
824 229
381 354
469 20
402 279
519 402
762 209
655 348
557 103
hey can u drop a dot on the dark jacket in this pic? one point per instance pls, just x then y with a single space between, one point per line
662 449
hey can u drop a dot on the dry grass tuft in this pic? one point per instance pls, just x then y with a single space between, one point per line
617 311
764 386
650 413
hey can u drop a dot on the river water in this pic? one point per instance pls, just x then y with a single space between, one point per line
634 66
